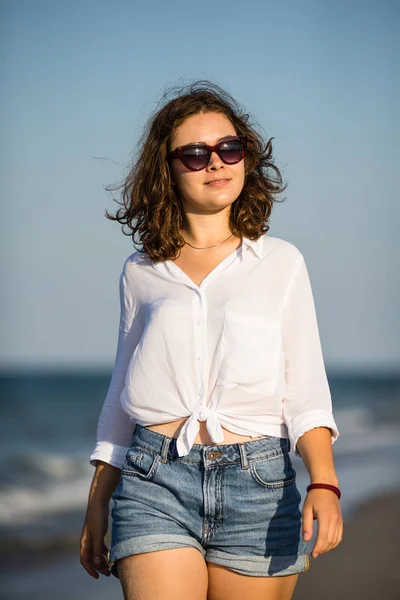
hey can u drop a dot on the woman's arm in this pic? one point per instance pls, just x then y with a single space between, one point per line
315 448
307 409
105 480
307 399
93 550
114 428
114 435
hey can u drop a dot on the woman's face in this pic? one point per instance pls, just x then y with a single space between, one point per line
194 186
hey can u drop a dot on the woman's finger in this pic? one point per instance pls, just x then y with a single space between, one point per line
339 532
308 524
332 536
322 537
99 557
86 559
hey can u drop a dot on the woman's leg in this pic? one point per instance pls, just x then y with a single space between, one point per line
178 573
225 584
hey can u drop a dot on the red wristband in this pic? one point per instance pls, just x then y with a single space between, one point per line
325 486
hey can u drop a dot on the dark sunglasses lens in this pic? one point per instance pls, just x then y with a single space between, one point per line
231 152
196 158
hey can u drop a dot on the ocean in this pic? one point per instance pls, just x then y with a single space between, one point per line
48 430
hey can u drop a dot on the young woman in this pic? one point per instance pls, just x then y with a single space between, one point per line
219 372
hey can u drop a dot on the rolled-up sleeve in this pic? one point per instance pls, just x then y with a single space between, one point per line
115 428
307 399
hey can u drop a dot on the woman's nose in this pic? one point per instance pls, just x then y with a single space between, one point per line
215 161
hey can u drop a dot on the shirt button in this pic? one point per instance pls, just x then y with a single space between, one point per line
198 322
198 358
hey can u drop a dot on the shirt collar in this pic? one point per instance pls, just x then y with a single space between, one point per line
255 245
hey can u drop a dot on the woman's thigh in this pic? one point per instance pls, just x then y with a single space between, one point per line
224 584
178 573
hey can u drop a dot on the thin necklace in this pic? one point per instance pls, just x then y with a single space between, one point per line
205 247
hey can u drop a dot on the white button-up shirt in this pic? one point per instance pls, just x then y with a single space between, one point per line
241 350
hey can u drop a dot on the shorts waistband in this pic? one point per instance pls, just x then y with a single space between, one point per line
264 447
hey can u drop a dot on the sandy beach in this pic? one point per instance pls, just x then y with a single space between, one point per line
365 566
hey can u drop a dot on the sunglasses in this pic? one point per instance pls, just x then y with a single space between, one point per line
197 156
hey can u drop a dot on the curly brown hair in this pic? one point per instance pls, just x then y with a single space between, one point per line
151 206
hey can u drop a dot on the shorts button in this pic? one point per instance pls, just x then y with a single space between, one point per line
213 455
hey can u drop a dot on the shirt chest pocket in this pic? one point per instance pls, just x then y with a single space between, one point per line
250 352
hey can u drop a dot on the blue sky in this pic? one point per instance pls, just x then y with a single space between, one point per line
79 81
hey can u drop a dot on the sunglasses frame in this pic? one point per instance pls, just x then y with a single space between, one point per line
179 151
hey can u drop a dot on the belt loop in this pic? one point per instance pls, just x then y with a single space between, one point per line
164 450
243 456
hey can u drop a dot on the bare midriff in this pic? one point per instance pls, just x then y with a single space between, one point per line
173 428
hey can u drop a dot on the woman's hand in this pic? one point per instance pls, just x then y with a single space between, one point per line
92 547
324 506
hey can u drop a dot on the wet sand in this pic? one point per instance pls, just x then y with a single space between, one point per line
366 565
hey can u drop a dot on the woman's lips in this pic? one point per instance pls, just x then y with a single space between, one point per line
218 183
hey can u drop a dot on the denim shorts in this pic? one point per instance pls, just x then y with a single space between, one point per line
238 504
